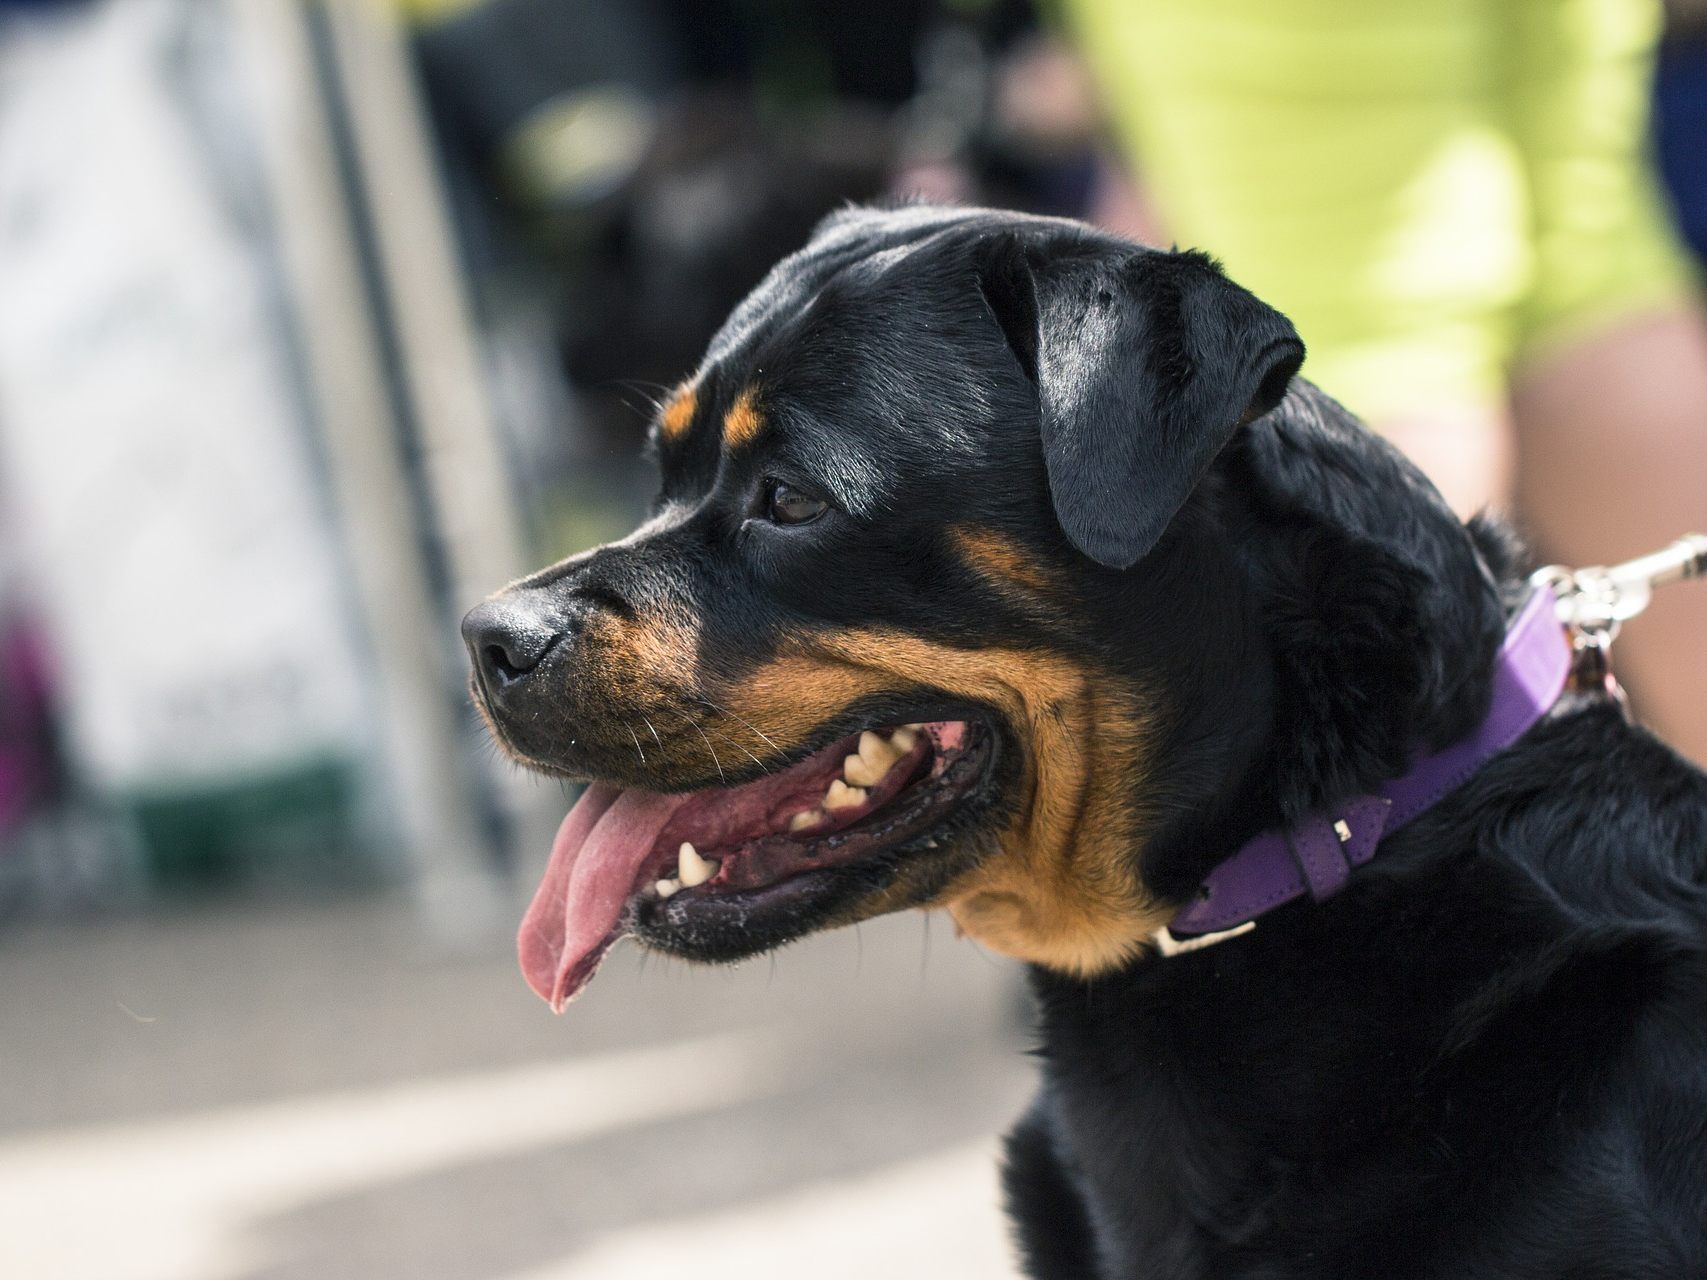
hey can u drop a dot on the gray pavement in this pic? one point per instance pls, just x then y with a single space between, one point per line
322 1092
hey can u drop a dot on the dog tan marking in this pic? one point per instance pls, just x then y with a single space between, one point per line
678 413
1059 890
742 423
653 651
1004 562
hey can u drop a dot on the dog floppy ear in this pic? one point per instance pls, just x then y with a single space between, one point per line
1145 363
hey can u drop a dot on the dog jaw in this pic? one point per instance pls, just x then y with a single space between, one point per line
1059 884
1062 889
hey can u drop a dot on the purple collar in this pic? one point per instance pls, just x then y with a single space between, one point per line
1317 857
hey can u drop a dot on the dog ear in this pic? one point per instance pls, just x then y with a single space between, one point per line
1145 363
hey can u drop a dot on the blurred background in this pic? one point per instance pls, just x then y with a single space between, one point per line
319 320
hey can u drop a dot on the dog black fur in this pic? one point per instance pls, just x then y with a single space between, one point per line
1487 1057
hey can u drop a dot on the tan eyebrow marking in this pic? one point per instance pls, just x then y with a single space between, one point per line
742 422
678 413
1003 559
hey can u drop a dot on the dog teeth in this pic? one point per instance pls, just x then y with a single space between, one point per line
664 888
875 747
858 772
842 796
692 869
806 818
904 739
875 750
877 755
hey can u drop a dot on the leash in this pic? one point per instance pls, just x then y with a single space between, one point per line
1594 603
1560 639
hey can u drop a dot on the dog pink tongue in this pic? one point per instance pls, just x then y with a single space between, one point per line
595 861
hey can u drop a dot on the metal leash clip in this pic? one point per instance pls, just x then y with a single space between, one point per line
1595 602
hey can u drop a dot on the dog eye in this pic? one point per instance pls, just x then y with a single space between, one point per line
784 504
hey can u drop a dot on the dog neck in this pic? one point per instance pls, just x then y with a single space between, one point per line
1318 855
1353 625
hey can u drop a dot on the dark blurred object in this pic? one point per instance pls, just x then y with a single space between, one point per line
507 71
493 67
1680 121
1039 150
718 199
29 767
657 157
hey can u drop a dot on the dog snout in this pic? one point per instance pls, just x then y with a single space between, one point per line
508 637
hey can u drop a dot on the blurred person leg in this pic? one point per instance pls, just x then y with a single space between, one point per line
1609 390
1435 193
1613 436
1351 164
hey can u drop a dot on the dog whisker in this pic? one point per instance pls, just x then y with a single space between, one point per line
724 711
639 395
742 750
722 777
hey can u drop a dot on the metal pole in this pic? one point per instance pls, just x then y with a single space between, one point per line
475 505
446 845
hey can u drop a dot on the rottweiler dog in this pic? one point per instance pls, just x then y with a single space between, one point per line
1002 566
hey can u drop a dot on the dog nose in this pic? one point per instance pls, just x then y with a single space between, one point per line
506 641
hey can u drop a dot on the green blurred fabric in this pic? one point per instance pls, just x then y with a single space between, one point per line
1431 190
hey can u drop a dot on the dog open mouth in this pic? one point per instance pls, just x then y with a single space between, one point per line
626 858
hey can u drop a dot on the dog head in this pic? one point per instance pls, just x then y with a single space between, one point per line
956 595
